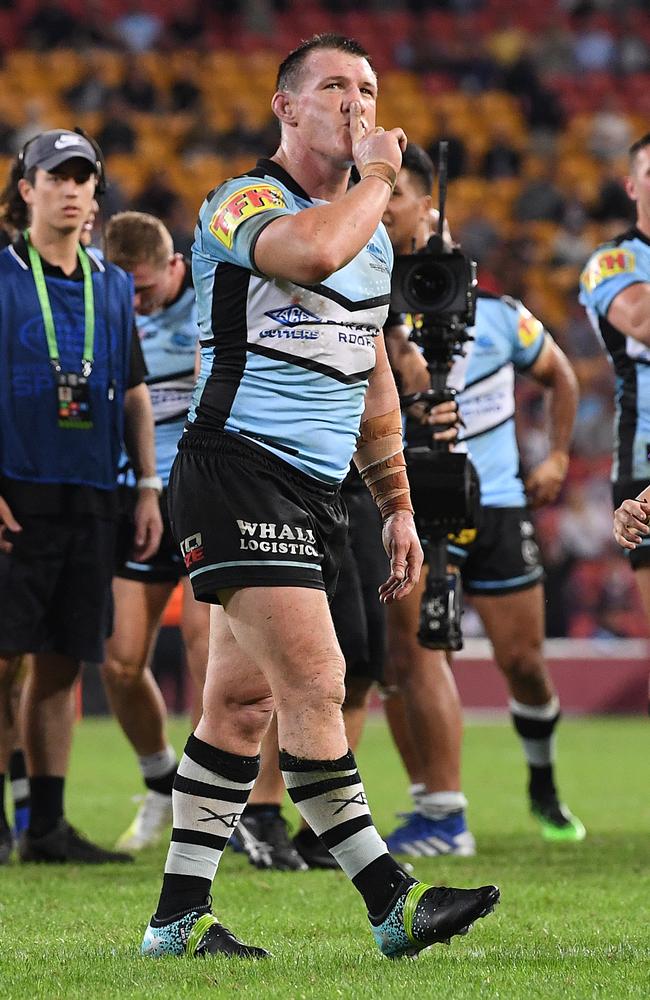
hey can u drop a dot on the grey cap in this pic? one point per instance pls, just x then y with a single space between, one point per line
50 149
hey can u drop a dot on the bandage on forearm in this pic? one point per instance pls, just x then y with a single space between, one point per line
380 461
381 169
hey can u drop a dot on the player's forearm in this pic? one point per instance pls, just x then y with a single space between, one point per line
311 245
563 406
139 431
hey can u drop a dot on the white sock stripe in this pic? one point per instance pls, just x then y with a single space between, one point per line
540 712
192 859
157 765
196 772
298 779
194 812
539 753
336 806
359 850
19 788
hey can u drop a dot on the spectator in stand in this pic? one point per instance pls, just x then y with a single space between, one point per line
187 28
613 203
456 152
611 132
117 135
594 46
184 95
92 91
52 26
139 29
540 200
158 197
137 89
501 159
477 234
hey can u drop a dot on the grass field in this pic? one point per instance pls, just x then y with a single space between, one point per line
572 924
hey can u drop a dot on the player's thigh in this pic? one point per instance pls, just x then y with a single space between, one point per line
137 610
514 622
233 675
288 633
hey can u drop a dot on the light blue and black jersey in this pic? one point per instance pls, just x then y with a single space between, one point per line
611 269
283 364
168 339
507 337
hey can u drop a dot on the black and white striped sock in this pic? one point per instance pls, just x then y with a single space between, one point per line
535 725
211 789
330 796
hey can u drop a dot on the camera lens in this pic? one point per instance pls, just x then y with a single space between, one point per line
431 285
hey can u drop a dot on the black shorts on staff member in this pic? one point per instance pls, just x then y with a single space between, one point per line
501 557
243 518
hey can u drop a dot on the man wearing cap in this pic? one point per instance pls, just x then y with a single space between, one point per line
71 389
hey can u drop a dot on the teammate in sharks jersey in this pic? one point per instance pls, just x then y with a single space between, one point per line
285 400
615 289
166 318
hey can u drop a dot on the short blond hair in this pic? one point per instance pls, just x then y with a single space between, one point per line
134 238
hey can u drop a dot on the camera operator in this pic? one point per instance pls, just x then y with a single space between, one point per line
499 562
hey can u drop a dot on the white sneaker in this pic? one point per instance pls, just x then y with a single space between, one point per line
150 822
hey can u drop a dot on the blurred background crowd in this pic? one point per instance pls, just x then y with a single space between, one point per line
539 103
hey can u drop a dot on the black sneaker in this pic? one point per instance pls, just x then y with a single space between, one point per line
425 914
312 850
195 934
264 839
64 843
6 845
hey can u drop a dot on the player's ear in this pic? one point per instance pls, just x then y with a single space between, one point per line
630 187
283 109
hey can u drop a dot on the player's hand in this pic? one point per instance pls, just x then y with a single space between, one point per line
631 522
545 481
374 145
148 525
446 414
7 523
405 553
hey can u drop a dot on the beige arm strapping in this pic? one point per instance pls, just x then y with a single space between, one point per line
380 461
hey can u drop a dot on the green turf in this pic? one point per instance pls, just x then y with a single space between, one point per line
573 922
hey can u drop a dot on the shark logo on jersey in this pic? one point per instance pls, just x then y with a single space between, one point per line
292 315
378 254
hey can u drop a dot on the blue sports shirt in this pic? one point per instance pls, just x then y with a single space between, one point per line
283 364
168 339
612 268
507 337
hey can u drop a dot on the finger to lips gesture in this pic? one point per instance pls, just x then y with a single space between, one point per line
375 144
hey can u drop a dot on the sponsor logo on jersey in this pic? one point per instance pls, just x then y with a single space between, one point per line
464 537
607 264
292 315
529 329
241 205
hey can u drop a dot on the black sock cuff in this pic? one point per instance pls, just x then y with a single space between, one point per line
290 763
261 809
228 765
534 729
